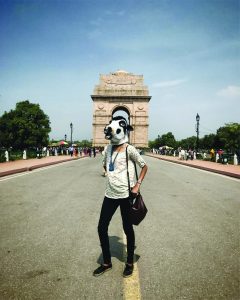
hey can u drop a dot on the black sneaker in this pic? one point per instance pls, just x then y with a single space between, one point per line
128 270
102 269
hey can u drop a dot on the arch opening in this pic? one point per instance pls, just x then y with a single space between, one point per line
121 111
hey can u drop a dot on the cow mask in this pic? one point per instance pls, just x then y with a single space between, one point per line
117 131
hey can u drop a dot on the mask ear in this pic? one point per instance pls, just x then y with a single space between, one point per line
129 128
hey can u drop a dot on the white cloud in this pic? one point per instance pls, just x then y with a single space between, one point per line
230 91
96 22
121 13
94 34
170 83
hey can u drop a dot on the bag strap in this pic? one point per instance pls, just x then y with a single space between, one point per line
135 167
129 189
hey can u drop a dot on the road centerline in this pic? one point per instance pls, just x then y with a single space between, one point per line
131 285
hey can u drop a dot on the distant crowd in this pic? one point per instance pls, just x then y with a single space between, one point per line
72 151
214 155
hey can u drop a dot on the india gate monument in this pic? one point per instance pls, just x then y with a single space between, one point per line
121 91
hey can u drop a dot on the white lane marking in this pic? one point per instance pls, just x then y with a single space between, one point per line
35 170
131 285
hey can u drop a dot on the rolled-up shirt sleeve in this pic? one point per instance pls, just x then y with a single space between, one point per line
135 156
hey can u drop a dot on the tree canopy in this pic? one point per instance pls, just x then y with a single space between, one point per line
227 137
25 126
188 143
166 139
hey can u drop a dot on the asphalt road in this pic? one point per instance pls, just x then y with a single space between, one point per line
186 248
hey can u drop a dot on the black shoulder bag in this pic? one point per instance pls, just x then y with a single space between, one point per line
138 208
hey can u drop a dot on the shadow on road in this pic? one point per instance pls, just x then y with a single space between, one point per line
116 248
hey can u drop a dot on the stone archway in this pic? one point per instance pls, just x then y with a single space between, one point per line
121 91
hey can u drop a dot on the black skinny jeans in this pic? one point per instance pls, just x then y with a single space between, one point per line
109 207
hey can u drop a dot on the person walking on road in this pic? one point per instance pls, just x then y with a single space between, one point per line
94 152
117 190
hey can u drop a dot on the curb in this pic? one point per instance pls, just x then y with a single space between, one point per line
31 168
10 172
226 173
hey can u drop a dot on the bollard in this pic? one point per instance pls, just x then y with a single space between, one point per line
6 156
235 160
24 154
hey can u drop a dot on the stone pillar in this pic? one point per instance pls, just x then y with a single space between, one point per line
24 154
6 156
235 160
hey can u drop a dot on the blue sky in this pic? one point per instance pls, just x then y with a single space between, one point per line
52 53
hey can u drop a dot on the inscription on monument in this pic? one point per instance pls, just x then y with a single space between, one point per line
124 80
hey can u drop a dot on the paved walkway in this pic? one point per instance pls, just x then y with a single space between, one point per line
18 166
224 169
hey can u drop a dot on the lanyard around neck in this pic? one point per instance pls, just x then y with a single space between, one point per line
111 164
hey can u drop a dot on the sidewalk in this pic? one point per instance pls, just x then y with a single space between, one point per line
224 169
18 166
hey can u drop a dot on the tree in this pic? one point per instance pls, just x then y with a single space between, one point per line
85 143
25 126
188 143
152 144
229 136
168 139
208 141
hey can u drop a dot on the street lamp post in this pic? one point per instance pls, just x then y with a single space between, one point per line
71 126
197 130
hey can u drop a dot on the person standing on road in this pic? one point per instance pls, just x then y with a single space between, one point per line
117 190
94 152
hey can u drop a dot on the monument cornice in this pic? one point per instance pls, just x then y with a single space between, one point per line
116 98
